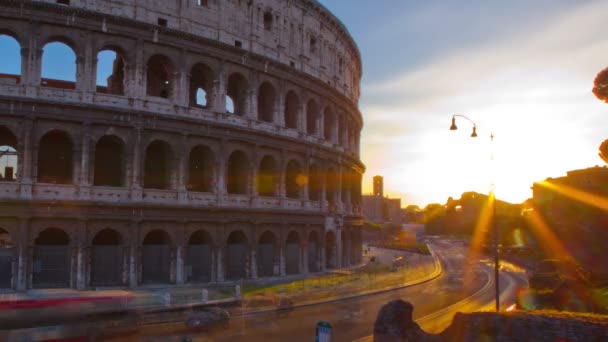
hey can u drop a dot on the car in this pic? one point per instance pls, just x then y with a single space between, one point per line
208 318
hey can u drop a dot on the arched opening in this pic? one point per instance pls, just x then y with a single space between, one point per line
312 117
236 94
236 256
331 186
328 124
159 77
111 72
107 256
156 258
292 253
315 184
58 66
9 158
6 259
294 179
52 259
55 158
157 171
10 60
109 161
268 177
199 259
266 102
313 252
201 85
268 21
342 133
200 167
330 250
292 105
237 173
266 254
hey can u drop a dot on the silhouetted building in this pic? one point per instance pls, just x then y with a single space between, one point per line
379 186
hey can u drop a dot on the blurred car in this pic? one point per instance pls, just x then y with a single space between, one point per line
284 305
208 318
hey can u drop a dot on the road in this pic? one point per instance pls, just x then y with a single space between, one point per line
462 287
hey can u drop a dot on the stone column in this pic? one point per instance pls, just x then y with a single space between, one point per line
24 161
338 249
138 155
322 259
282 271
133 254
22 255
220 265
84 183
253 265
81 255
213 264
279 108
179 265
182 174
304 258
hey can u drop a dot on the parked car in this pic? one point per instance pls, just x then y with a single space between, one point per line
208 318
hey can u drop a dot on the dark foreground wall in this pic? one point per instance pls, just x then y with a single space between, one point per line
394 323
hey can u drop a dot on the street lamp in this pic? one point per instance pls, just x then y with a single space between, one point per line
492 198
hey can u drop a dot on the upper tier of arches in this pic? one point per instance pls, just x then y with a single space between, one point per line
301 34
168 81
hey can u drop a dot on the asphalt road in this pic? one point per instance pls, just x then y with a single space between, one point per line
464 286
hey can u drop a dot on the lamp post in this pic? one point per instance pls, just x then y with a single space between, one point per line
492 197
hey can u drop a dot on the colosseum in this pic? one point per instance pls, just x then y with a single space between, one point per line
223 145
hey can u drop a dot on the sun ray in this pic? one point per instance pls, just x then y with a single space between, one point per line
591 199
548 241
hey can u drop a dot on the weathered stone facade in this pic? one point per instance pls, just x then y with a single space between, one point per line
141 183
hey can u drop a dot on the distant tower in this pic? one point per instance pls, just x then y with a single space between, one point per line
379 186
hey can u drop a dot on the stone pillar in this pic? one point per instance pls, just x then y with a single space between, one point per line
84 183
279 108
81 255
133 254
213 264
220 172
180 88
24 167
282 271
253 265
137 161
22 255
338 250
304 259
182 175
323 258
220 265
251 104
179 265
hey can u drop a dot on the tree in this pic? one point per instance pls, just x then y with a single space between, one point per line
604 151
600 85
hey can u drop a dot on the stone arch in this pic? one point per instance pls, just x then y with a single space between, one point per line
156 257
292 253
52 259
159 77
294 179
199 260
328 124
157 165
55 152
109 166
107 258
7 252
292 108
111 70
330 250
58 76
268 177
200 169
237 93
10 69
237 253
315 183
266 102
267 254
312 117
9 156
237 173
201 85
313 251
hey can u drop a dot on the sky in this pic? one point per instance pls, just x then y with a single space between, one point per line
521 70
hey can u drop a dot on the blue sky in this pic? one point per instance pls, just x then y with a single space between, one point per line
521 69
